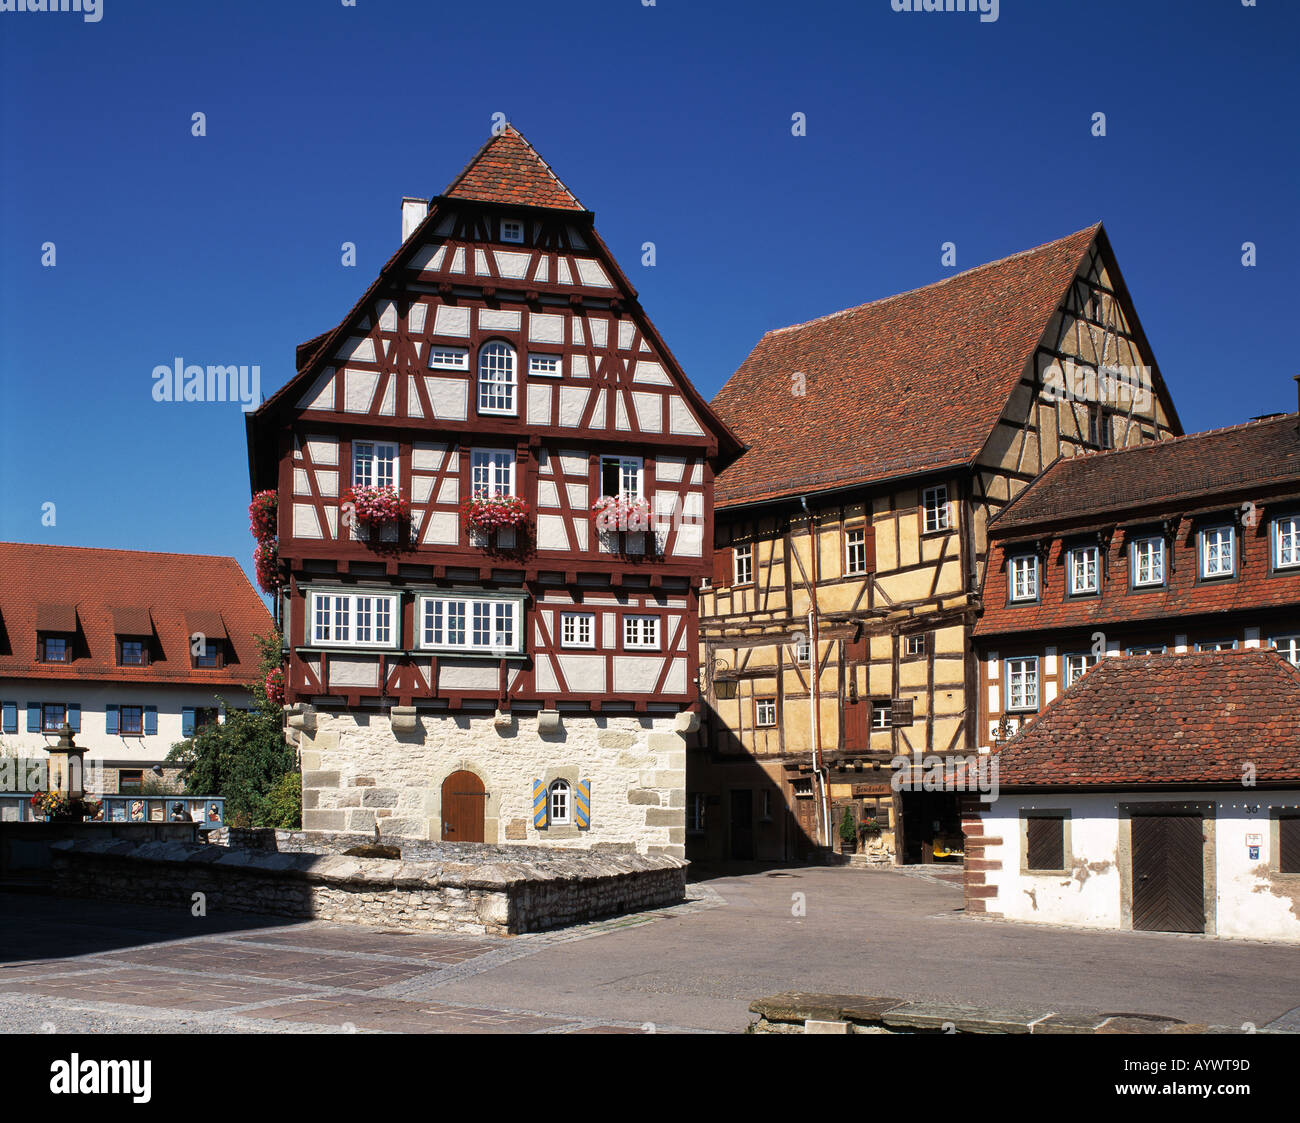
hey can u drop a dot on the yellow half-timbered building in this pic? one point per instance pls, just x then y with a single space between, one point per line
850 540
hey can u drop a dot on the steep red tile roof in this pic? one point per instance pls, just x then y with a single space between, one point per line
508 170
900 386
165 591
1165 719
1249 456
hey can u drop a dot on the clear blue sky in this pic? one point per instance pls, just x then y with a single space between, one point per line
672 122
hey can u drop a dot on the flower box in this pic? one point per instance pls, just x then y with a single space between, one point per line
377 505
621 513
488 513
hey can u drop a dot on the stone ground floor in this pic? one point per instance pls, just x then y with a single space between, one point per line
71 966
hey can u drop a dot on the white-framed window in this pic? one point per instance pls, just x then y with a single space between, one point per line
1217 645
742 564
578 629
512 230
882 715
354 619
1076 666
448 358
1286 542
622 476
914 644
1022 684
1024 577
559 804
1148 561
641 633
549 366
1085 570
764 712
802 651
855 551
1146 649
496 378
374 464
447 622
934 502
1289 646
1217 551
492 472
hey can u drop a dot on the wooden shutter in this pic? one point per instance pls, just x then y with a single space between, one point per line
187 722
150 720
855 650
869 545
857 730
74 717
10 717
1288 835
582 805
112 720
1046 843
540 807
901 711
722 566
33 717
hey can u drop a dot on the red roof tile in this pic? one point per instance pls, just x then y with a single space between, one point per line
1165 719
1252 455
508 170
904 385
104 590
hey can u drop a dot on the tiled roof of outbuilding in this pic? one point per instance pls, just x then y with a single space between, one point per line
1165 719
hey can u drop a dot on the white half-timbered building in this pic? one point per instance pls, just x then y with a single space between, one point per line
511 655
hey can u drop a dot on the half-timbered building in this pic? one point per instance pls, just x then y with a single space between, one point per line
474 653
851 537
1189 546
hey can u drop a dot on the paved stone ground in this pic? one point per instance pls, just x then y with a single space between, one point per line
68 966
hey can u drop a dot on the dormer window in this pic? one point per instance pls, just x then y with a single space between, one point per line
209 653
512 230
53 649
1286 542
1148 562
1084 570
1217 552
496 378
132 652
1024 577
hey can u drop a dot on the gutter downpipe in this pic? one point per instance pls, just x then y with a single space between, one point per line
814 679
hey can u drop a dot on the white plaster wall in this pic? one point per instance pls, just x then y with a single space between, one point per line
636 765
93 698
1250 902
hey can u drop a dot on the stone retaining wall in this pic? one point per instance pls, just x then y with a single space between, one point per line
495 897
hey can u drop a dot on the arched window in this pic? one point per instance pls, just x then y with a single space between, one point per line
560 805
496 378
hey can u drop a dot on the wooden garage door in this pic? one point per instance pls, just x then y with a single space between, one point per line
1168 873
463 802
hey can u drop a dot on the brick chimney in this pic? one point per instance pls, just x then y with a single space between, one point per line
413 212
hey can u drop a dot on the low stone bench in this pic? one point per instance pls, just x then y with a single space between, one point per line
493 896
797 1012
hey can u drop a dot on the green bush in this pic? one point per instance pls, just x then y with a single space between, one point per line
245 758
849 826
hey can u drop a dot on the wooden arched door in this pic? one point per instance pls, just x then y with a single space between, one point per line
464 801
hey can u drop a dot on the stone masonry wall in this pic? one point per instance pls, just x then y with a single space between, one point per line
359 774
491 898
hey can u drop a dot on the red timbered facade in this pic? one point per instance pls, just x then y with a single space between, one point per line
538 588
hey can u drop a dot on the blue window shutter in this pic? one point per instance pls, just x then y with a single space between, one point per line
74 717
10 717
150 720
112 721
33 717
187 722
